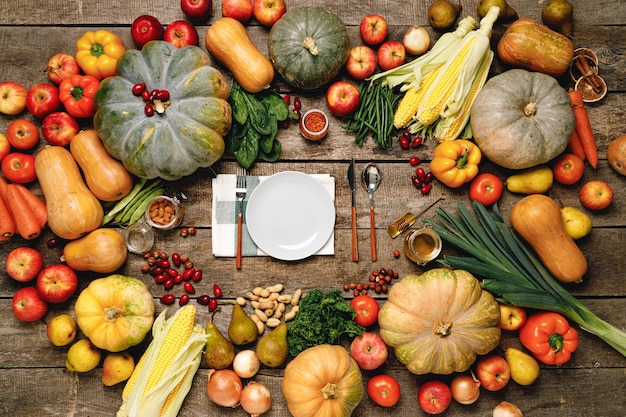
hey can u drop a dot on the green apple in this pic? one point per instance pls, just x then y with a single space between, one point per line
577 223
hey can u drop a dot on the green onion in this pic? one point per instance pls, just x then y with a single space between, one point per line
511 272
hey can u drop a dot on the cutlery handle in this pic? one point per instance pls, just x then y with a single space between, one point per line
355 250
373 232
239 226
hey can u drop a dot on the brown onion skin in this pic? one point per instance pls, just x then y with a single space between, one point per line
224 387
256 399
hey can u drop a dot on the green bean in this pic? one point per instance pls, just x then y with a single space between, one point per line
120 205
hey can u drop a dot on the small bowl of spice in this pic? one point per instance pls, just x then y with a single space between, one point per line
314 124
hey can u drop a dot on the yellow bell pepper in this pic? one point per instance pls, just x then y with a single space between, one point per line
455 162
97 53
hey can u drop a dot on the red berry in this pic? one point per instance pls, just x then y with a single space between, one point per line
297 104
184 299
204 300
217 291
148 110
168 284
212 304
138 88
176 259
161 278
421 173
416 181
415 161
404 142
168 299
162 95
406 134
426 188
416 142
188 273
287 99
197 275
145 94
188 286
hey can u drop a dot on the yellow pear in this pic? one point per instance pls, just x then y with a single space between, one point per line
524 368
61 330
82 356
536 180
117 367
577 223
506 11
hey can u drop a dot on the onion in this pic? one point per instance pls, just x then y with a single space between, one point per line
507 409
416 40
256 399
465 389
246 363
224 387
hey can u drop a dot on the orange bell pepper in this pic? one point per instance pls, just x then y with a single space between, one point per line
97 53
455 162
549 337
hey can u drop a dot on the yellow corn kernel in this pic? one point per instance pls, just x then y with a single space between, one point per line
443 86
410 103
133 378
171 396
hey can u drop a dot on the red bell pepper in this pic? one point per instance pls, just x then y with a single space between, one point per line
76 93
549 337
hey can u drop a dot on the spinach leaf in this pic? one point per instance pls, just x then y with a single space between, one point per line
258 114
276 105
267 141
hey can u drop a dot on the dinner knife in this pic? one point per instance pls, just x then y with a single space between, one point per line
355 251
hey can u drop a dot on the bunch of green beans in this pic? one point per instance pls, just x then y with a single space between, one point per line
374 116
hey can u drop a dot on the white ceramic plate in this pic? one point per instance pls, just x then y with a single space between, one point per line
290 215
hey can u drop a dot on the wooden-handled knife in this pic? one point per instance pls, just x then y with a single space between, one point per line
351 182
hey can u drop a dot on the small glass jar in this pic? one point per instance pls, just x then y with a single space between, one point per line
314 124
162 213
422 245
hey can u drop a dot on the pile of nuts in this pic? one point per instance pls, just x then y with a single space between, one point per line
270 305
379 281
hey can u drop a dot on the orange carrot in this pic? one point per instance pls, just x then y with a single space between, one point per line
583 128
3 191
7 224
575 146
25 221
36 205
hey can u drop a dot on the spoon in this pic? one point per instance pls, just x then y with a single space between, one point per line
371 177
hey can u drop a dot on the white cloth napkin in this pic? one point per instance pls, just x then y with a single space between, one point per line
224 216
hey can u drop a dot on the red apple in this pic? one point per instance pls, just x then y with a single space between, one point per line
391 54
43 99
373 29
196 10
596 195
12 98
28 305
493 372
61 66
434 397
369 351
361 62
59 128
237 9
23 264
146 28
342 98
56 283
267 12
5 146
181 33
512 317
22 134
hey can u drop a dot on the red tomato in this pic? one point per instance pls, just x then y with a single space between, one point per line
384 390
22 134
366 309
486 189
568 169
19 167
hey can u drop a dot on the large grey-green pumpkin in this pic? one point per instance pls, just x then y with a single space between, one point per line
187 135
308 46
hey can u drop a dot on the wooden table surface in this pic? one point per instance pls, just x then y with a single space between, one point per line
33 379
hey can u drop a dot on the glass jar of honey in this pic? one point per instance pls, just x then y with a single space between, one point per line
422 245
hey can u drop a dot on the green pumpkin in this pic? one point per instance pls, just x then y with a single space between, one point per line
183 134
308 46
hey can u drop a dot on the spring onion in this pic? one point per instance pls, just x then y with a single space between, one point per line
511 272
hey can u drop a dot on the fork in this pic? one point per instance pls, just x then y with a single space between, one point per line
240 192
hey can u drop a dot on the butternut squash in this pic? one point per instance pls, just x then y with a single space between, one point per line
102 250
106 177
228 42
530 45
538 220
73 210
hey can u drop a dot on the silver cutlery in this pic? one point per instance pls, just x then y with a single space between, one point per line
240 192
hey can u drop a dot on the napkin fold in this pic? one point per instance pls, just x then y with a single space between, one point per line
224 216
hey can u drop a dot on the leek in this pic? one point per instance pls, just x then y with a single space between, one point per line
511 272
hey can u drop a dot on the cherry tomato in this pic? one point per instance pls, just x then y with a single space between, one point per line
366 309
486 189
384 390
19 167
568 169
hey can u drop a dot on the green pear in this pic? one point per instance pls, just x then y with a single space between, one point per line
272 348
241 329
442 14
557 15
506 11
219 351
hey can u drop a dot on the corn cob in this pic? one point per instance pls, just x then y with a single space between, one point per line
164 374
411 100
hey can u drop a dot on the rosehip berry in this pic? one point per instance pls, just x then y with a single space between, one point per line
404 142
138 88
297 104
426 189
217 291
287 99
189 289
415 161
184 299
204 300
148 110
421 173
212 304
416 142
168 299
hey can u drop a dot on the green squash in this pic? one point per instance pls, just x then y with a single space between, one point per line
308 46
186 133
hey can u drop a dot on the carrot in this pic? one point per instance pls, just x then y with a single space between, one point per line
575 146
25 221
583 128
7 224
36 205
3 191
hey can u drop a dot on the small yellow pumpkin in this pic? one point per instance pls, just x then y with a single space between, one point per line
438 322
115 312
102 250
